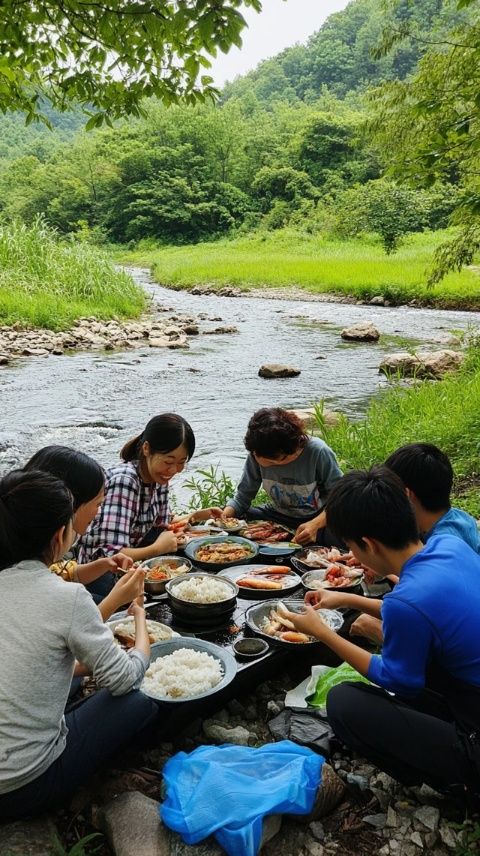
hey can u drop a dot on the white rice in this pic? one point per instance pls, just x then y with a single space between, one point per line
202 590
183 674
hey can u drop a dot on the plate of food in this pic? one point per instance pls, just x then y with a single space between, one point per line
228 524
273 539
185 669
257 582
322 557
339 577
213 554
266 620
123 630
161 569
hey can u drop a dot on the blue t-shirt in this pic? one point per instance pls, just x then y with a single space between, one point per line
431 617
459 523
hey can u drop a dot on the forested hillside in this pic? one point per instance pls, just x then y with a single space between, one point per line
287 145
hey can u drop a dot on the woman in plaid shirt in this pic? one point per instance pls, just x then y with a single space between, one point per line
135 510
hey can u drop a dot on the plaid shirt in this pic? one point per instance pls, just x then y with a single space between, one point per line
131 508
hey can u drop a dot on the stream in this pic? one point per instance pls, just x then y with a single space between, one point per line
96 400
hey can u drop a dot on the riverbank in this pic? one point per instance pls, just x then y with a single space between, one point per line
356 270
48 282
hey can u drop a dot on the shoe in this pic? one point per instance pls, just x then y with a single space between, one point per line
331 791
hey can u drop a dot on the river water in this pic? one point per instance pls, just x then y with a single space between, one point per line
96 400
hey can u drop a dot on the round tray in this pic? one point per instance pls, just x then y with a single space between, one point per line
226 659
192 548
255 616
238 572
355 585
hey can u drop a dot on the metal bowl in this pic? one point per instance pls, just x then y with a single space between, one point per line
256 616
250 648
194 546
229 666
200 612
156 587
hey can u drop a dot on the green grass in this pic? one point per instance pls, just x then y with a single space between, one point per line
289 258
46 282
446 413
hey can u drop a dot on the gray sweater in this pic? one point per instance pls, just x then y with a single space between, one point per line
46 624
298 489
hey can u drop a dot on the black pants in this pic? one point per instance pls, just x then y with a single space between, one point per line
97 728
413 742
267 512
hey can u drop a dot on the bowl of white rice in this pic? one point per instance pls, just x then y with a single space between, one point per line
201 596
183 669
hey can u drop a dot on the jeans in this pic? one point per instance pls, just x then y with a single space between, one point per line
97 728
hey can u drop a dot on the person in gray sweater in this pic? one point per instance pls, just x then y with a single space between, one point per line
297 472
51 630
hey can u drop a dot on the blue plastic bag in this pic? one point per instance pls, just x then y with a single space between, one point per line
227 791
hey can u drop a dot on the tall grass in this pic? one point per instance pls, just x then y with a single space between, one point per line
446 413
48 282
291 258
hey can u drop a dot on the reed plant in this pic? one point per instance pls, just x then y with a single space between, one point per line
49 282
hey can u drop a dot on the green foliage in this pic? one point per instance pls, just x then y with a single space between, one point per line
82 847
214 488
109 57
292 257
47 282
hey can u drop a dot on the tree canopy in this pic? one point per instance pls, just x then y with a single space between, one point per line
108 55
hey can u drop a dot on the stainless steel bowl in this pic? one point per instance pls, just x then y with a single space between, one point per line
156 587
200 612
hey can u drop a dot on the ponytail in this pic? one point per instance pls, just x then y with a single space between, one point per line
33 507
163 433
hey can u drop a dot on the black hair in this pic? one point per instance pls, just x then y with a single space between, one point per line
163 433
33 506
372 504
426 471
82 475
273 432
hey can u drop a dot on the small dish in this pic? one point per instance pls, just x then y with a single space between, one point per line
249 649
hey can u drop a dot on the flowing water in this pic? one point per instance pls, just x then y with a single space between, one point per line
96 400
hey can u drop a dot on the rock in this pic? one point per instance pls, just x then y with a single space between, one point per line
317 830
274 708
416 838
360 781
191 329
429 816
276 370
378 300
240 736
133 827
379 821
172 332
159 342
29 838
175 344
271 827
432 364
221 330
361 333
4 360
57 352
392 819
307 416
194 371
314 848
34 352
447 837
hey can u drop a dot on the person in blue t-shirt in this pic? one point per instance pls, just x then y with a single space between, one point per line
427 474
421 723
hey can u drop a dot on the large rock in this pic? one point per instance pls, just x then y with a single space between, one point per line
239 736
361 333
133 827
307 417
29 838
274 370
427 364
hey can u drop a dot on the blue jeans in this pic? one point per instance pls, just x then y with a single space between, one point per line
97 728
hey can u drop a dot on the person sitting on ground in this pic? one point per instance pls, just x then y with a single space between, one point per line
427 474
85 480
48 625
428 675
297 472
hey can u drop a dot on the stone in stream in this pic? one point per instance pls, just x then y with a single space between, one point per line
361 333
426 364
221 330
4 360
276 370
307 416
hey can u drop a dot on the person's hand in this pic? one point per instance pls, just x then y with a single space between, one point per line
130 586
306 533
136 610
166 542
205 514
228 511
308 622
324 599
120 562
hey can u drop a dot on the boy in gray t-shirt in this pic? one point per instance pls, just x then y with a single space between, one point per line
296 471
